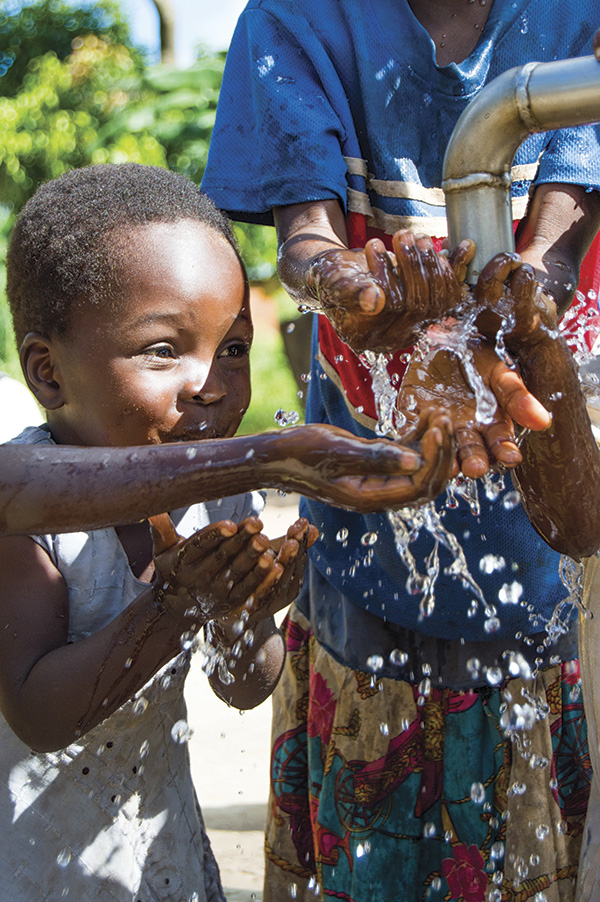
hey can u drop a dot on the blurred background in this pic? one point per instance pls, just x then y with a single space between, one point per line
133 80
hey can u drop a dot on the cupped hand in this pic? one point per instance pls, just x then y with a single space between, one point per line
378 300
366 475
514 303
282 584
439 378
213 573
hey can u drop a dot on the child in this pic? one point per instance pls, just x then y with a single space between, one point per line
333 125
130 303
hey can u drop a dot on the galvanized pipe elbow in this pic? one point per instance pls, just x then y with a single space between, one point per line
476 176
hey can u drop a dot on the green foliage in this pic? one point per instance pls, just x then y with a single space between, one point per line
273 386
28 31
75 91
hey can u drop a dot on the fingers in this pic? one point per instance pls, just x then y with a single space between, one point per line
164 534
490 284
372 297
343 279
460 257
427 278
516 401
437 449
478 450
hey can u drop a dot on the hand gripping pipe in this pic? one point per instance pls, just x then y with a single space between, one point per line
476 181
536 97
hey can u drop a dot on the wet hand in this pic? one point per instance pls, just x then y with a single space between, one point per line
365 475
515 304
378 300
440 379
282 584
212 574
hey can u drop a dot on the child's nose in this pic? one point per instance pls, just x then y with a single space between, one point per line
204 388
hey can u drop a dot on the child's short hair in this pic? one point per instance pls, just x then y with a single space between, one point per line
60 252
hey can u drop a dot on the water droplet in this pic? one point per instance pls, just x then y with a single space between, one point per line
293 890
190 453
491 562
398 658
497 850
473 667
510 593
188 640
286 418
369 538
140 705
181 732
518 666
542 831
494 676
478 793
429 830
384 729
63 859
342 535
425 687
375 662
491 625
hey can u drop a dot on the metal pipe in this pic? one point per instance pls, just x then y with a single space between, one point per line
536 97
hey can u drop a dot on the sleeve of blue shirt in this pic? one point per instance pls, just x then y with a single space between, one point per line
277 139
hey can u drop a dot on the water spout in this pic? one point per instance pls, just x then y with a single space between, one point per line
532 98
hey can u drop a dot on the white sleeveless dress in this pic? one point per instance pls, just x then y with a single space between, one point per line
114 816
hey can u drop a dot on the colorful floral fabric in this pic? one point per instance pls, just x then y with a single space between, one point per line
385 790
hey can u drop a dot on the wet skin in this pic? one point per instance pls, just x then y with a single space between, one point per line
170 363
173 365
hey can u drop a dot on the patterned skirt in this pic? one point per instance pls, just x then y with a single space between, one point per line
387 791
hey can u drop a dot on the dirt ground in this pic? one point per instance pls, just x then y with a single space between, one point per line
230 754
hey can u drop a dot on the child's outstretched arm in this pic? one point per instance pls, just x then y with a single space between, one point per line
53 690
56 488
374 301
559 476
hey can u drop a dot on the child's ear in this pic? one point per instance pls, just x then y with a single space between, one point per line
41 371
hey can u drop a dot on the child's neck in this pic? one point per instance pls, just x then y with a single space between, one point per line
454 26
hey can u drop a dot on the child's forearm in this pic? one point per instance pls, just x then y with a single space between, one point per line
556 235
560 474
304 231
75 686
256 668
47 489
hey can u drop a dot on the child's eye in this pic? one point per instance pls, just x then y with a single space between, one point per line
237 349
160 352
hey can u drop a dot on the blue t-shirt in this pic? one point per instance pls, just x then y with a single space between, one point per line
345 101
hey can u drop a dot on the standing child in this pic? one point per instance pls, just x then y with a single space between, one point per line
400 783
130 303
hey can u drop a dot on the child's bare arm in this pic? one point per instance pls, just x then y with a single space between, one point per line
375 301
51 690
559 476
45 489
561 223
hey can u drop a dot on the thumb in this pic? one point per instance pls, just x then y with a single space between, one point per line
164 534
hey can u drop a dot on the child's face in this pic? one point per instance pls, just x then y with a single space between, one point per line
169 361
